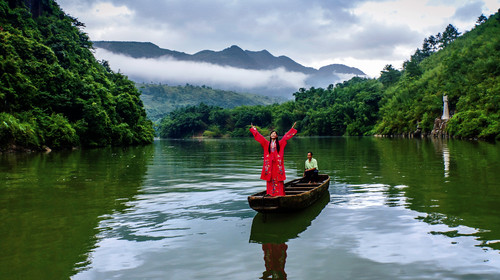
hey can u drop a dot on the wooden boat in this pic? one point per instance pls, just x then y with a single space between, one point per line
299 194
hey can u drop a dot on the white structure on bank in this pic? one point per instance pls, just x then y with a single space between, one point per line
446 112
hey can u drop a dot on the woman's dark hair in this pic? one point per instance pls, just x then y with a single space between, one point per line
277 142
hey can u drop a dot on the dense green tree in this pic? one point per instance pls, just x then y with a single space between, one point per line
449 35
389 75
412 68
187 121
481 19
54 92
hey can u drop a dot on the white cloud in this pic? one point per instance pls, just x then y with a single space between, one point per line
371 67
416 15
169 70
106 10
469 12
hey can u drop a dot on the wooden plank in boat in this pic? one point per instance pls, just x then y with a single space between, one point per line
307 184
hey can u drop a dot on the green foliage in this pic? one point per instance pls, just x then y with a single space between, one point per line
191 120
468 124
389 75
54 92
349 108
481 19
13 130
213 132
57 131
449 35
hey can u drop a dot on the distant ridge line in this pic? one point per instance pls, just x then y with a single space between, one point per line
232 56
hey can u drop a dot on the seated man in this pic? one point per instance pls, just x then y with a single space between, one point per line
311 168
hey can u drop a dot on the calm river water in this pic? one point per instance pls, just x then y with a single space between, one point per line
177 209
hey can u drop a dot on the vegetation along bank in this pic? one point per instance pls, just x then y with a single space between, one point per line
53 92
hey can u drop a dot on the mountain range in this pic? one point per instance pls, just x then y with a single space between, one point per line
236 57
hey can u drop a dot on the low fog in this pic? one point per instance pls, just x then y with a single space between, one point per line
166 70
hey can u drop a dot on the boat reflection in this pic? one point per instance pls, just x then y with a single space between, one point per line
274 230
274 258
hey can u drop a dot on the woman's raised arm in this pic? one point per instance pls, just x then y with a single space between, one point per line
258 137
290 133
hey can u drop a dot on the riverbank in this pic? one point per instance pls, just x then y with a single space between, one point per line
11 149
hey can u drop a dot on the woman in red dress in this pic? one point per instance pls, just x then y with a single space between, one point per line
273 169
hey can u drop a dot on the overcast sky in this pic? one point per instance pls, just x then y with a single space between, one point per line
360 33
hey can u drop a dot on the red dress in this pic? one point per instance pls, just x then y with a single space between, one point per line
273 168
275 259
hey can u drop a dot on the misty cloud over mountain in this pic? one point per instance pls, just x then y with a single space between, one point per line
230 69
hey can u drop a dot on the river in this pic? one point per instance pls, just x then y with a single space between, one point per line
177 209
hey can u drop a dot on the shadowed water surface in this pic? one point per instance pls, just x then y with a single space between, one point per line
177 209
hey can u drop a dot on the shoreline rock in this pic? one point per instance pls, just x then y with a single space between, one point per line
439 129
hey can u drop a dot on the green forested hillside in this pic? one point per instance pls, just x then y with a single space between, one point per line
350 108
54 92
159 100
466 68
